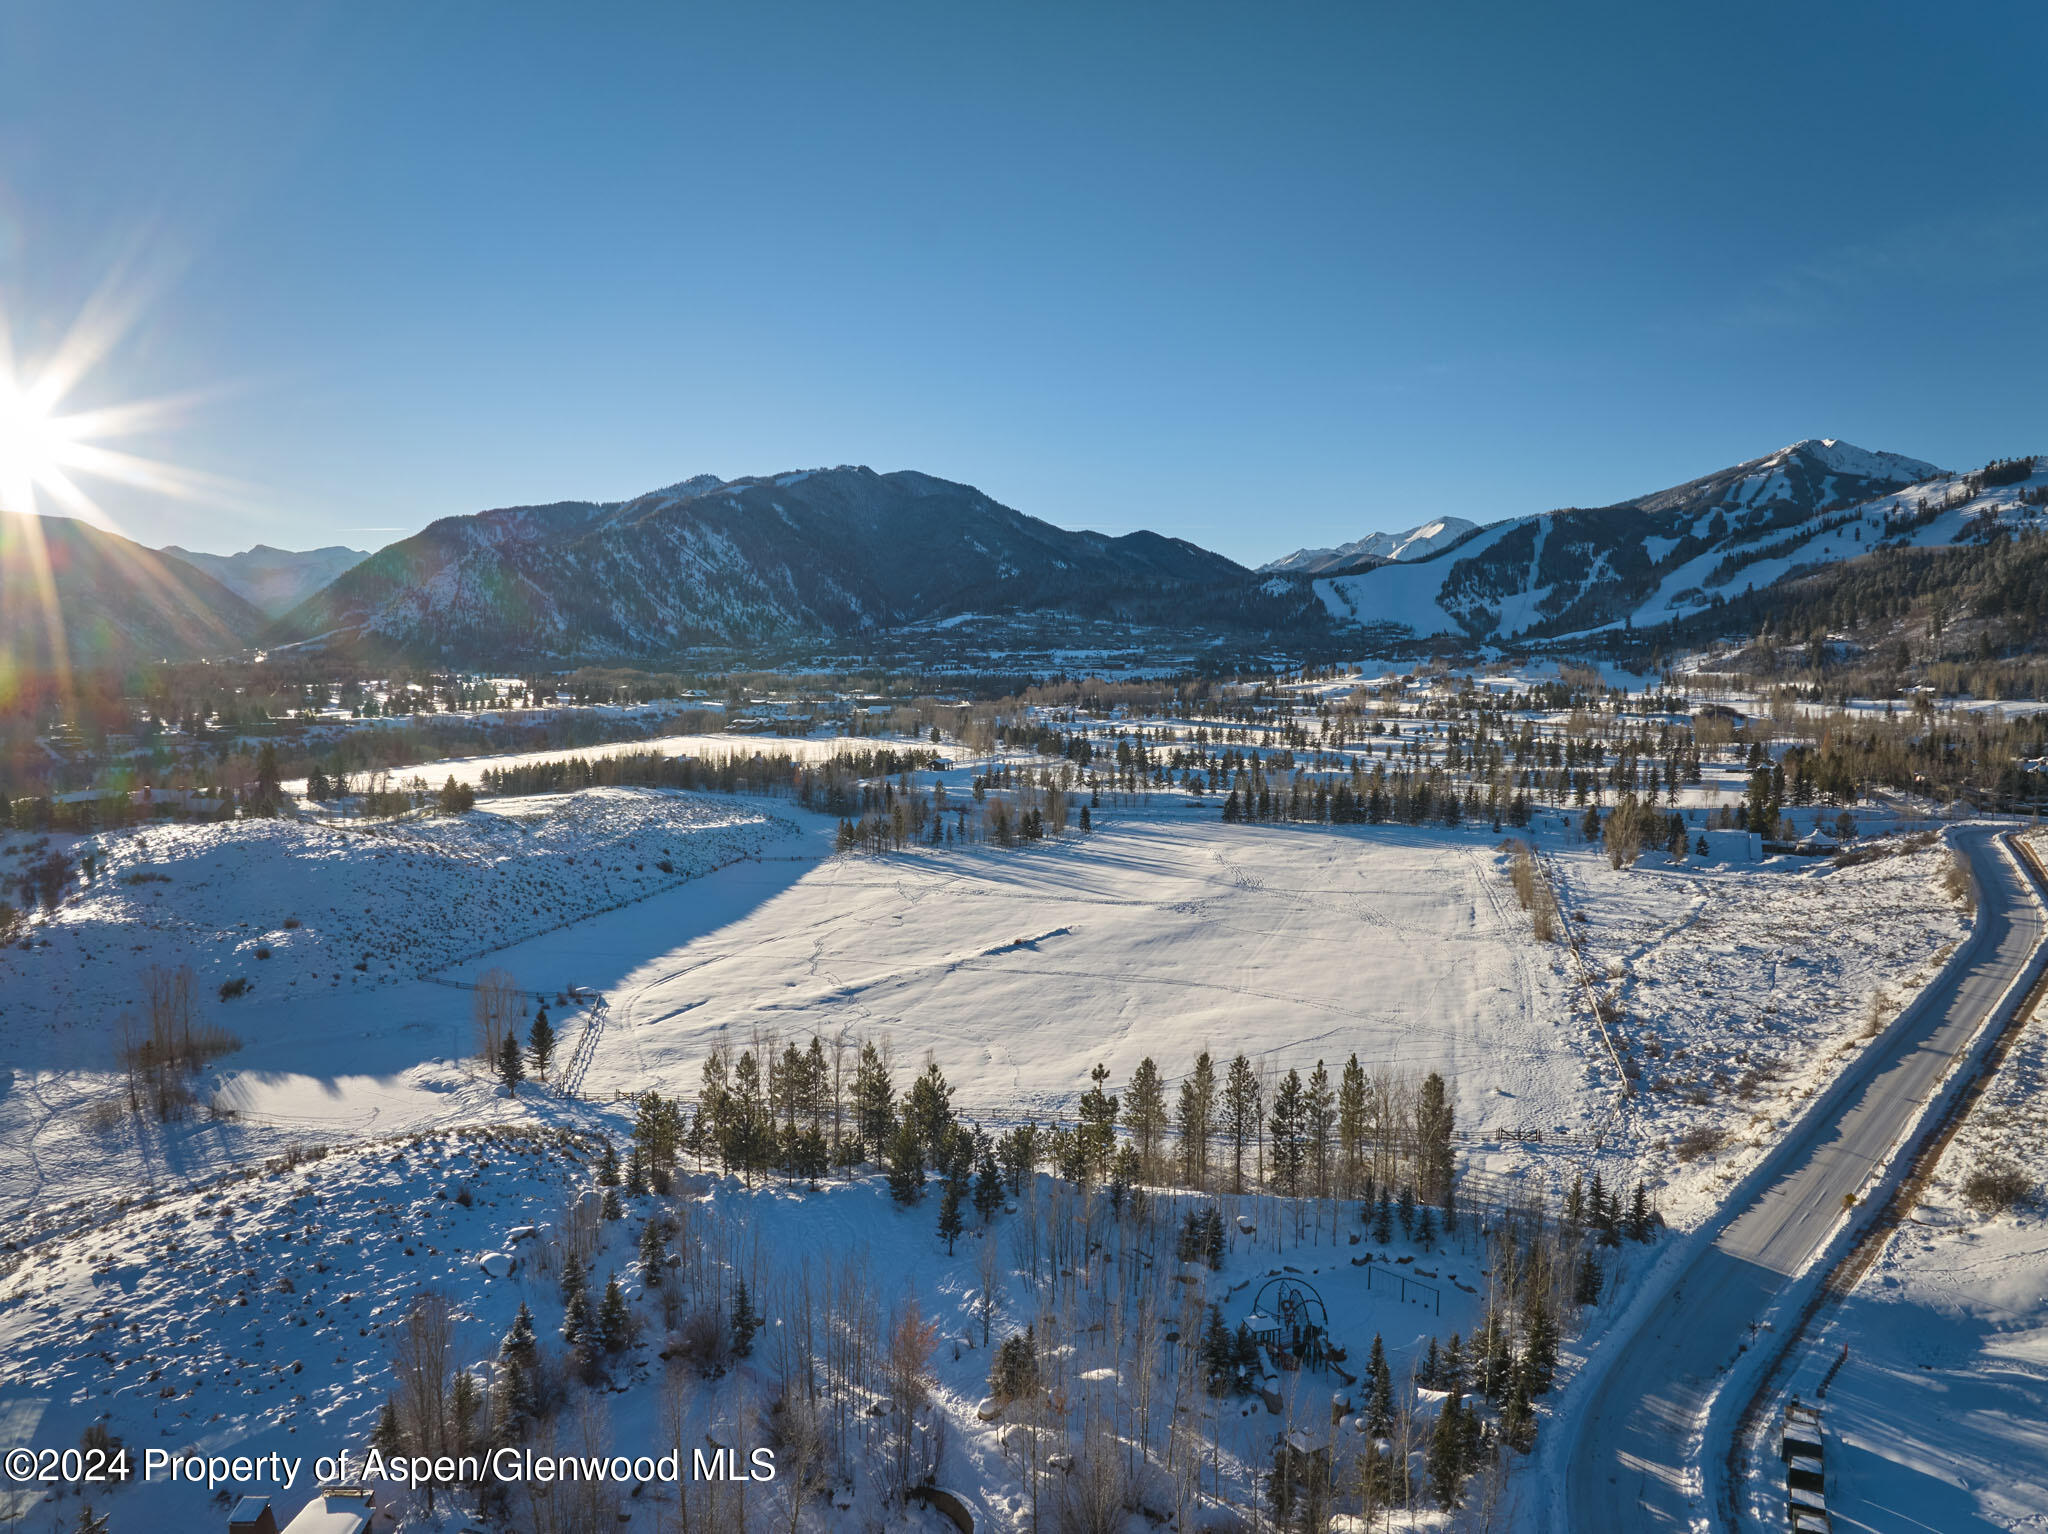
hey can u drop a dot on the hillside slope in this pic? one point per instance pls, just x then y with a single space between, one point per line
73 595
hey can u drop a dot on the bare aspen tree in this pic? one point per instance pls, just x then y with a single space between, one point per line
421 1361
495 1007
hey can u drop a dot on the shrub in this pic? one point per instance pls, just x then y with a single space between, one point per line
1997 1186
230 989
1700 1140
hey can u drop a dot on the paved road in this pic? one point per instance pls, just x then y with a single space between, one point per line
1628 1468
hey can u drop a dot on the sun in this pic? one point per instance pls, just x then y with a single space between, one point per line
37 447
45 447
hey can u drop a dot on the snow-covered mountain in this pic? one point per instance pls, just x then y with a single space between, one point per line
273 580
1373 548
708 561
1676 553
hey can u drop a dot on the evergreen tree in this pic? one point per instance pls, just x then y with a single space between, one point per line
1446 1455
614 1321
613 1208
579 1322
1539 1349
1425 1228
636 1173
608 1167
746 1321
653 1248
1096 1132
1379 1400
572 1278
510 1071
1219 1356
1014 1374
950 1223
1407 1210
1639 1228
906 1164
1287 1125
1586 1288
1435 1125
387 1435
988 1187
929 1110
540 1043
1195 1121
1429 1374
1212 1238
1518 1418
1575 1201
1351 1128
1383 1220
874 1101
1318 1126
1240 1115
1144 1110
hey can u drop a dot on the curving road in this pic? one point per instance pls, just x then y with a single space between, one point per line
1634 1464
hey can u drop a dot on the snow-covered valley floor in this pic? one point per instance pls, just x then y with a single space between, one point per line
1166 932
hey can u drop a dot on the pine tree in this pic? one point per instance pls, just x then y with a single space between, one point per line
1518 1419
1219 1355
1350 1128
1383 1220
540 1043
906 1164
573 1282
653 1248
1096 1131
613 1208
1435 1124
746 1321
950 1222
988 1187
387 1434
1287 1126
1639 1215
1195 1121
1539 1349
1240 1115
1407 1210
1379 1401
1014 1373
1586 1289
1144 1109
614 1321
1212 1238
1575 1201
1429 1374
1319 1125
1446 1458
1425 1228
579 1322
510 1071
929 1110
608 1167
874 1102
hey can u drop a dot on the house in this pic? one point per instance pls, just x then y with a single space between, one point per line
337 1510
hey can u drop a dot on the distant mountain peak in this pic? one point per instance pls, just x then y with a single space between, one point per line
1416 543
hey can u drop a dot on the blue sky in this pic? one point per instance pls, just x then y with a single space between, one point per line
1258 276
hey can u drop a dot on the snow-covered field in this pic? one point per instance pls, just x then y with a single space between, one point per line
1732 987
